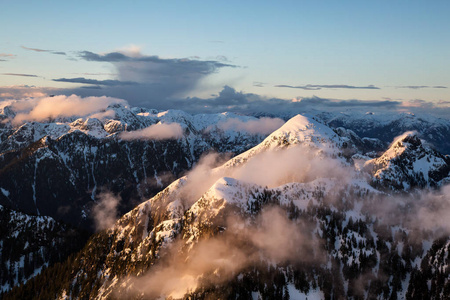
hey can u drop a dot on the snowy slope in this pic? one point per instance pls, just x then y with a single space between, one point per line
408 163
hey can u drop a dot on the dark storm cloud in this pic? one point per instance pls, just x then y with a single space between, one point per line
43 50
107 82
313 87
158 80
19 74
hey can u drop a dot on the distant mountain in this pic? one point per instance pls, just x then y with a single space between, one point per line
306 213
383 125
410 163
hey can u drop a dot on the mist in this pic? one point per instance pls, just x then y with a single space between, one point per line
272 237
105 212
160 131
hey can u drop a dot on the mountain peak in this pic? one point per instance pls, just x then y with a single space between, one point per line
409 162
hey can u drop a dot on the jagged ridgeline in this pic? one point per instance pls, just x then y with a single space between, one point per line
306 213
58 167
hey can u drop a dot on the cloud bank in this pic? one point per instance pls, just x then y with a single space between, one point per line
230 100
41 109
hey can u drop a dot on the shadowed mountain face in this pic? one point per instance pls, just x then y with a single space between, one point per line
303 214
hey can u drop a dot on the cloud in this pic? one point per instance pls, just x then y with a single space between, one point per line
159 79
231 100
104 212
160 131
97 74
6 56
19 74
247 103
416 87
40 109
315 87
263 126
259 84
42 50
107 82
270 168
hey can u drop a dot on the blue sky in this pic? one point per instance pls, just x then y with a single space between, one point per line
363 50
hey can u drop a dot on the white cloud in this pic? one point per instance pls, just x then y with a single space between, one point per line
160 131
105 211
41 109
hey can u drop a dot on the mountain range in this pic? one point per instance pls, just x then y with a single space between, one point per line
322 207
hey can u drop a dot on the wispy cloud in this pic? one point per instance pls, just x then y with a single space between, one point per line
107 82
105 211
315 87
416 87
258 84
19 74
6 56
43 50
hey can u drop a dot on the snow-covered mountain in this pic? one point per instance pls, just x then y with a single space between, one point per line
58 167
382 124
408 163
297 216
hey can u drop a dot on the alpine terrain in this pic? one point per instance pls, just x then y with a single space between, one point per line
308 212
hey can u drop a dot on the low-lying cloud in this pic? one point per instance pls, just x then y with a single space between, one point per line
41 109
213 261
269 168
160 131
